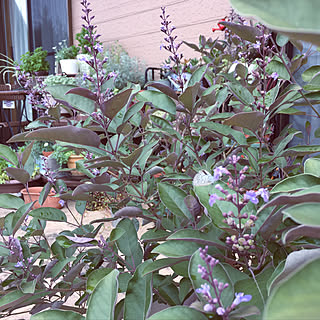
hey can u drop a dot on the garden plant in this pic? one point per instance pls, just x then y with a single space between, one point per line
231 210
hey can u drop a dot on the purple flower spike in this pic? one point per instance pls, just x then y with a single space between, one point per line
251 196
213 198
240 297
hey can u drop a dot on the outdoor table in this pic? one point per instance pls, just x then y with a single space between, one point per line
19 96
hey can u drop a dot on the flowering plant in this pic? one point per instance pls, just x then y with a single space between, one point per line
230 210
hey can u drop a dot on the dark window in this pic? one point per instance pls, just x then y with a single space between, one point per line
48 25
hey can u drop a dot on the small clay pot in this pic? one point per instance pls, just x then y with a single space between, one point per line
72 164
47 153
34 192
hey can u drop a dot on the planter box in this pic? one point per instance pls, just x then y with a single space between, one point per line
14 186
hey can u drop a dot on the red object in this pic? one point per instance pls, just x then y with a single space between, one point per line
220 26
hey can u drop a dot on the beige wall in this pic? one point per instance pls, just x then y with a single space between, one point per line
136 24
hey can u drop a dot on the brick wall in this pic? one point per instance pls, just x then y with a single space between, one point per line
136 24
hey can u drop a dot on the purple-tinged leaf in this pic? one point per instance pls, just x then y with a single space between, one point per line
106 163
26 153
111 107
104 178
81 197
128 212
131 159
83 188
250 120
292 199
295 261
74 272
164 88
69 134
20 137
18 174
245 32
189 96
193 205
83 92
300 231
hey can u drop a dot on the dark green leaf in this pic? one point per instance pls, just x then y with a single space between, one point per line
173 198
104 298
57 315
9 201
139 294
178 313
297 296
158 99
50 214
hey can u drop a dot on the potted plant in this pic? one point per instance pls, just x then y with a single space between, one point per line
35 62
67 57
9 184
72 160
33 194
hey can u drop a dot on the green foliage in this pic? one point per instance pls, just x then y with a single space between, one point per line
129 69
179 172
34 61
67 53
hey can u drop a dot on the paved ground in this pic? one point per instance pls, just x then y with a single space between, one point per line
53 228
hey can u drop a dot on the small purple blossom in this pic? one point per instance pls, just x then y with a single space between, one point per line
274 75
209 307
62 203
264 194
218 172
251 196
205 290
98 47
213 198
257 45
221 311
240 297
19 264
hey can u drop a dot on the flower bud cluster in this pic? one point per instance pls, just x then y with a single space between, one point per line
242 243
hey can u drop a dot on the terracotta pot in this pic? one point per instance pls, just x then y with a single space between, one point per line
34 195
47 153
72 164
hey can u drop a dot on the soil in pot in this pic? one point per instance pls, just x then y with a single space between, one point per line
51 201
